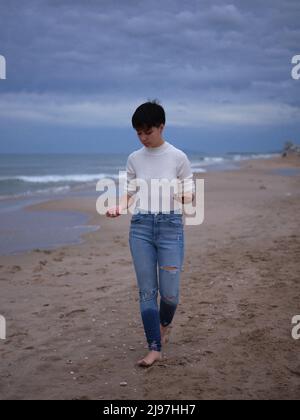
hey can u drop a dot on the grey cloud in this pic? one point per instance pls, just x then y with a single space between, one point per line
232 51
226 16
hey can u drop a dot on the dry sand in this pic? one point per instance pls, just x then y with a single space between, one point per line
73 325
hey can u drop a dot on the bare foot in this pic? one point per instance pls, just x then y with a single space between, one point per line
151 357
165 333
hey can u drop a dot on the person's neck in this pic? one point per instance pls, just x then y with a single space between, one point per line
162 141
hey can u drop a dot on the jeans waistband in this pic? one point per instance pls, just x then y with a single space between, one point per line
141 211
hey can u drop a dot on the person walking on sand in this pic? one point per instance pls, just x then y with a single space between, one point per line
156 237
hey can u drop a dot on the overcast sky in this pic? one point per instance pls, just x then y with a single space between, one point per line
76 71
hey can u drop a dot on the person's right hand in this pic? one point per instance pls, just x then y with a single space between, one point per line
113 211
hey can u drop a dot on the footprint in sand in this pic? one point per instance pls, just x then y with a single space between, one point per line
75 312
15 269
36 278
18 337
65 273
102 270
60 256
103 288
39 267
117 239
72 313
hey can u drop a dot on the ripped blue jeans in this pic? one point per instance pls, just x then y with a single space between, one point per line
156 243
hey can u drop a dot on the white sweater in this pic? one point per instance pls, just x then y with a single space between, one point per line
157 163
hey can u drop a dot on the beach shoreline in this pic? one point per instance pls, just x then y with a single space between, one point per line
73 324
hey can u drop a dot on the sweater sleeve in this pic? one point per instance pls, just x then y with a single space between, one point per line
185 175
130 183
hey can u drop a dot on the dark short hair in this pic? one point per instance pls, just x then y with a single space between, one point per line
150 114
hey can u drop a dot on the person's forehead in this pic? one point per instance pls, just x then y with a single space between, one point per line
144 129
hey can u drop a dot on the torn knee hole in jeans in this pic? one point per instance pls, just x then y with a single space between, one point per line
170 299
169 268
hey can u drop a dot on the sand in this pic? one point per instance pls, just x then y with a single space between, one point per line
73 324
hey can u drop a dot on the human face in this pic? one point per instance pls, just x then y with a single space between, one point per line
151 137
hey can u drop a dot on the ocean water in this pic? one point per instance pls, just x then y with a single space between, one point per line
22 231
39 174
27 179
44 175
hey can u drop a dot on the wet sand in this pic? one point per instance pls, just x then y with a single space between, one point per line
73 324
